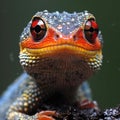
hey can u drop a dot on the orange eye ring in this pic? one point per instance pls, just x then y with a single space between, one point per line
38 29
91 30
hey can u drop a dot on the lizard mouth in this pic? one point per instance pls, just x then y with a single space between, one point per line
63 52
62 48
61 63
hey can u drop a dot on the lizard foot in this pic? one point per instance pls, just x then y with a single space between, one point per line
47 115
86 104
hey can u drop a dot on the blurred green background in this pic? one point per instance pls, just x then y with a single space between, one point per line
14 15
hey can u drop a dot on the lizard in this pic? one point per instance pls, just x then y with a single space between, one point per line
58 53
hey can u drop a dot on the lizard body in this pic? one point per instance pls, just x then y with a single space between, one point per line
58 51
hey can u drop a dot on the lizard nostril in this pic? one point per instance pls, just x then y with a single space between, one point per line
56 36
75 37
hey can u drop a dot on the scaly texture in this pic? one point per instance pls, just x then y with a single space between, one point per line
58 51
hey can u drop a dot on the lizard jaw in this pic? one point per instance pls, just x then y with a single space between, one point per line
66 60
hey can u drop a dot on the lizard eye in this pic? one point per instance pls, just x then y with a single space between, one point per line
91 30
38 29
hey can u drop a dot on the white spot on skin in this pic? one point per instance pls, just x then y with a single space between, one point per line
72 19
59 27
68 23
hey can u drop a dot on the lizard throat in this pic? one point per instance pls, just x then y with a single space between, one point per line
65 65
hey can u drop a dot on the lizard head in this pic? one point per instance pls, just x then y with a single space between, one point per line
62 46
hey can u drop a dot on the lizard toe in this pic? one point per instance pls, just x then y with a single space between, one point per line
47 115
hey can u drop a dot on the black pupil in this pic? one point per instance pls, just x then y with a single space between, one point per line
91 29
37 29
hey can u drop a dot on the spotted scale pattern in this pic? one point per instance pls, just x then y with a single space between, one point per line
26 103
64 22
61 73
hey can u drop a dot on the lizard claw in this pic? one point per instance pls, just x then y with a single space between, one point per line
47 115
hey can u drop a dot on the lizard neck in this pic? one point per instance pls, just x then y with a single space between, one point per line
59 91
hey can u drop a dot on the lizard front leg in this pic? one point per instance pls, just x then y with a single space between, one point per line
26 105
85 98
